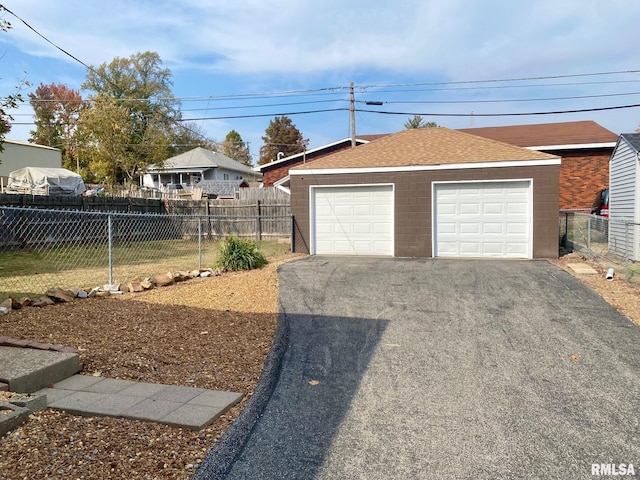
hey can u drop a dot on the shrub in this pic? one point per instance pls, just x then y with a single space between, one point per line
239 254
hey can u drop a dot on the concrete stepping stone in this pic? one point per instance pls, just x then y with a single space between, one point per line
186 407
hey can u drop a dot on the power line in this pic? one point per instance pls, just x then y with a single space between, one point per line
521 79
381 112
2 7
502 101
258 115
517 114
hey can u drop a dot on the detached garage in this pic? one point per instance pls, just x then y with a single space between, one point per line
428 193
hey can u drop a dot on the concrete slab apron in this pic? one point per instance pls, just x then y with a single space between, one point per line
483 369
186 407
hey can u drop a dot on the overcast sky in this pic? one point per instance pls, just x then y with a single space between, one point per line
225 55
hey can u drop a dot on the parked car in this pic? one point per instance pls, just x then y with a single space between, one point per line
601 203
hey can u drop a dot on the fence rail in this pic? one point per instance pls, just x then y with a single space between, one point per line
611 243
38 247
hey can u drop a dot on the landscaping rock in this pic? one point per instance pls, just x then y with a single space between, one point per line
162 280
180 276
206 273
7 304
42 302
135 287
60 295
147 284
4 310
102 293
78 292
24 302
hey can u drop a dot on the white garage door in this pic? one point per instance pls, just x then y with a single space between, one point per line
353 220
490 219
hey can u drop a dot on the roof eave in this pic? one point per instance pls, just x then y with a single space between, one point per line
573 146
415 168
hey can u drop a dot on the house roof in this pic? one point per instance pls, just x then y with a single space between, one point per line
425 146
633 139
311 153
29 144
221 188
582 134
201 158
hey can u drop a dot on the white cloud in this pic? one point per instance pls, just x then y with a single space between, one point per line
458 38
247 44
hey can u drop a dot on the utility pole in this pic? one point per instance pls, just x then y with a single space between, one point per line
352 114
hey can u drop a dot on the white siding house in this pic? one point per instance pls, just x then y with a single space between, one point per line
190 168
624 196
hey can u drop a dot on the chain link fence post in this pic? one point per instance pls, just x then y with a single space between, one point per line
110 240
589 254
199 242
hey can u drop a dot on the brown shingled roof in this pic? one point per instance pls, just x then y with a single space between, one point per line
547 134
425 146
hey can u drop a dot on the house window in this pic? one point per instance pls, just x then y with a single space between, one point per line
225 176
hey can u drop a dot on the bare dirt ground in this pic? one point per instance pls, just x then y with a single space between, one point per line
622 295
212 333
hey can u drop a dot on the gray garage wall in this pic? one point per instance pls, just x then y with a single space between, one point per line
412 225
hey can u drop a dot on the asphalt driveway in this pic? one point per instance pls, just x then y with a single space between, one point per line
447 369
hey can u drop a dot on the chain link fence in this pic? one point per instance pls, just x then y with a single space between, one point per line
609 242
42 249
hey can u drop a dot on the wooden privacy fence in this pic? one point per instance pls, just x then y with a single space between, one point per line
206 207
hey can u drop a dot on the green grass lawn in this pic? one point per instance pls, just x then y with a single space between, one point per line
32 273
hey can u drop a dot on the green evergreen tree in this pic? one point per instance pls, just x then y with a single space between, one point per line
234 147
418 122
281 136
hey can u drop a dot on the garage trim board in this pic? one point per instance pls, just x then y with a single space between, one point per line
486 218
352 219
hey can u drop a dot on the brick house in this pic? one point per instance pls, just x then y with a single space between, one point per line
585 148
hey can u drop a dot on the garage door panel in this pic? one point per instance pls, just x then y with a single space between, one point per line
362 228
491 208
446 209
360 220
382 210
517 228
517 248
517 208
491 219
468 209
362 210
469 248
465 227
493 248
343 210
383 228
